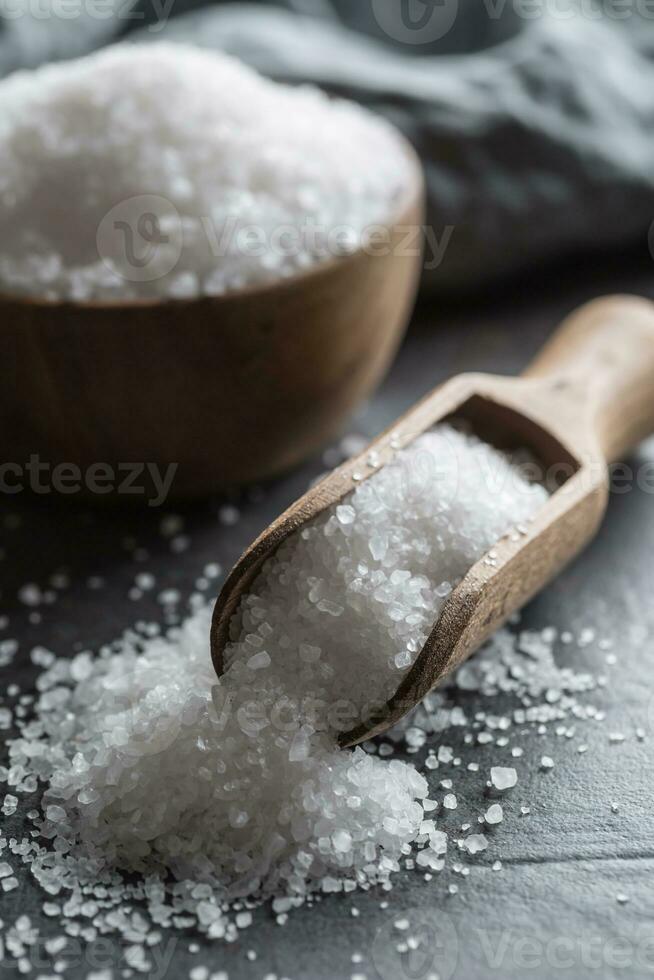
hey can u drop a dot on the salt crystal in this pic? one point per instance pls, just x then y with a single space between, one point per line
30 594
169 597
9 804
238 818
438 841
342 841
494 814
333 608
55 813
503 778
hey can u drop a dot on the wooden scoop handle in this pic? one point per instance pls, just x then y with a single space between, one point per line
603 355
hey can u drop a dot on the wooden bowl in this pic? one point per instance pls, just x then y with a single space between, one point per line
232 389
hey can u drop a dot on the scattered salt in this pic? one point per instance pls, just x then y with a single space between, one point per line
156 769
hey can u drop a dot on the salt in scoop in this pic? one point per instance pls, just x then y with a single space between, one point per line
585 400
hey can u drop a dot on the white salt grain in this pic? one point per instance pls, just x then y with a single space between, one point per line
503 778
30 594
494 814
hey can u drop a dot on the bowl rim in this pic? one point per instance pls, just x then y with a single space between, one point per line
409 197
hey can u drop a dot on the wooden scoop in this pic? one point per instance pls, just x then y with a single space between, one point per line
586 399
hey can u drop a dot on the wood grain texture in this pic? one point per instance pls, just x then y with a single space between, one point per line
582 399
605 354
232 389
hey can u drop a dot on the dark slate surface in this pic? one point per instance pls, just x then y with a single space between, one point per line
552 910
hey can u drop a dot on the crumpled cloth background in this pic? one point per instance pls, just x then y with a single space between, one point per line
534 118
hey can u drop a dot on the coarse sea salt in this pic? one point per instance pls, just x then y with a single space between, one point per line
208 180
153 766
216 795
367 577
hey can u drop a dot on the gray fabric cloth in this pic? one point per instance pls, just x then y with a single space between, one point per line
537 133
